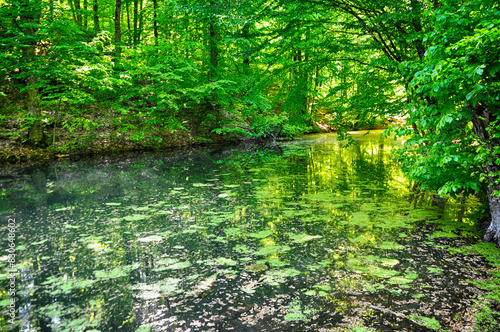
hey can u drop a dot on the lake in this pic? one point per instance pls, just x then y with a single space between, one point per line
306 235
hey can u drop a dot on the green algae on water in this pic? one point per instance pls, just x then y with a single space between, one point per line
135 217
152 238
261 234
273 250
233 231
301 238
277 277
440 234
390 245
117 272
430 323
226 261
256 267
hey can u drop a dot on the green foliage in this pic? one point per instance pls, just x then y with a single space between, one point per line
258 70
458 71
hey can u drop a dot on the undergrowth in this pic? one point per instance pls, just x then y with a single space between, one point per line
488 315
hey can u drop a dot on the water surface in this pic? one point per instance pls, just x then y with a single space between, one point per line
304 235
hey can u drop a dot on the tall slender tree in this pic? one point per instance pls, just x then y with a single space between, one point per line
118 29
155 21
136 22
95 10
213 42
78 12
30 14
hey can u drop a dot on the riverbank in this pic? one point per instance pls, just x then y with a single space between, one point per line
15 152
62 144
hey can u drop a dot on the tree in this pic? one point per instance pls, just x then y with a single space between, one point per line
118 29
456 105
22 21
30 16
371 39
155 21
452 88
136 22
95 9
213 42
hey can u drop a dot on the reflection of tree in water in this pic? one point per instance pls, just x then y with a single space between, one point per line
340 166
29 275
370 163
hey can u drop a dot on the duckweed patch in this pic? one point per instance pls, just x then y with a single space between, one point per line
399 280
439 234
175 266
430 323
233 231
135 217
141 208
264 251
242 249
275 262
57 286
257 267
277 277
165 287
261 235
301 238
390 245
152 238
435 269
226 261
117 272
296 312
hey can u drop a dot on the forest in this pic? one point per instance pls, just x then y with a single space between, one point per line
85 75
101 77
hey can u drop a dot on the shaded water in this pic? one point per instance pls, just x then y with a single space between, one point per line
306 235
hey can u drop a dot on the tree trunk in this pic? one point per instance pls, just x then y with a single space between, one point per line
96 16
129 30
35 132
493 231
213 44
85 16
155 23
78 10
305 73
129 33
481 120
139 30
136 19
245 34
73 11
416 11
118 30
51 10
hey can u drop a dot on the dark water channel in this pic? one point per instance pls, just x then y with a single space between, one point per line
304 236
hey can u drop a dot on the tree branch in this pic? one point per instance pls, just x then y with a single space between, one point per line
17 25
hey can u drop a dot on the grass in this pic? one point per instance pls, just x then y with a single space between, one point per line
488 315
